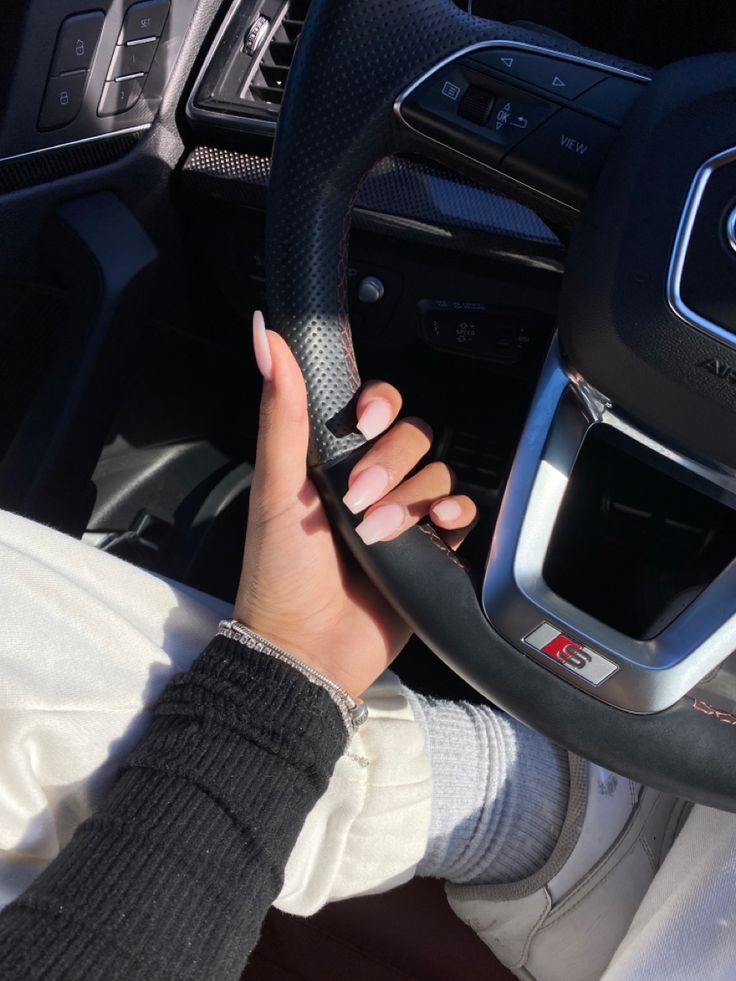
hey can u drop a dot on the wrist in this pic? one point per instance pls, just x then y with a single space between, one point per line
352 710
309 641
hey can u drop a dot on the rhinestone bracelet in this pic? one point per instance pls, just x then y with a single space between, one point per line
353 713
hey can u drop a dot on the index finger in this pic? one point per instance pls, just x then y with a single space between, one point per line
377 407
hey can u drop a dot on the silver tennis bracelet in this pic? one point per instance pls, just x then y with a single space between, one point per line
353 713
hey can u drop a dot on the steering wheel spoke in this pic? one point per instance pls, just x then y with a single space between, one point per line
638 674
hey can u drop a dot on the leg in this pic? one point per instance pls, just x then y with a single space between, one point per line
684 927
87 642
547 861
489 810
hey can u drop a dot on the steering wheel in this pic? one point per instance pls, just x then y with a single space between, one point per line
644 349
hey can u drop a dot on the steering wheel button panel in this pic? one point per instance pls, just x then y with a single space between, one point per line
560 78
446 108
565 155
479 104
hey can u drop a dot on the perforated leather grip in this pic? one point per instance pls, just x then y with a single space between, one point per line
354 59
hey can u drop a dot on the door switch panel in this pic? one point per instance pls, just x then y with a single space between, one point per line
133 56
126 76
75 48
545 120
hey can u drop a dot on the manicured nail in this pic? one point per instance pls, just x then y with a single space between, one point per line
260 346
375 418
368 487
448 510
381 523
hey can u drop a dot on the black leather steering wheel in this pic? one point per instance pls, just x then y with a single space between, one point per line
644 350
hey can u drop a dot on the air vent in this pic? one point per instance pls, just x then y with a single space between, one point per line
266 84
244 77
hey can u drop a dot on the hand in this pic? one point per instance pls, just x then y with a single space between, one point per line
296 589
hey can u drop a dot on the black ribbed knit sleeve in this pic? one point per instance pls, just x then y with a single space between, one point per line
172 877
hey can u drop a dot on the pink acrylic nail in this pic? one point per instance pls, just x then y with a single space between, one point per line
381 523
448 510
375 418
260 346
368 487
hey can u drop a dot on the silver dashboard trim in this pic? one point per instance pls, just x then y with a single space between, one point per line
653 674
682 242
522 46
86 139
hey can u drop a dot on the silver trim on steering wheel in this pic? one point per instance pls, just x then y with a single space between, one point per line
650 675
682 242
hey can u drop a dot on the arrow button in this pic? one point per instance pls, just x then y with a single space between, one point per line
566 79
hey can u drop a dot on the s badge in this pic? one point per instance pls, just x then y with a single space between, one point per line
583 661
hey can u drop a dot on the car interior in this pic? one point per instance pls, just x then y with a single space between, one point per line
497 273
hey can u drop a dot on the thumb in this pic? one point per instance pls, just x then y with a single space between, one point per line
283 433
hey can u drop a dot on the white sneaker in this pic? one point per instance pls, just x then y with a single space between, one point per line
565 922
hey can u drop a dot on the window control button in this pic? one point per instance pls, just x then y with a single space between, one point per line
145 19
120 96
76 43
62 100
131 59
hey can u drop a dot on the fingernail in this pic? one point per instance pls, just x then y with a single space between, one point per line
260 346
448 510
368 487
374 418
381 523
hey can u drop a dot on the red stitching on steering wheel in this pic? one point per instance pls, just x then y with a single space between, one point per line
439 542
346 337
